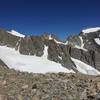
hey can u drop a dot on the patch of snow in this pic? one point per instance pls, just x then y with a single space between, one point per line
50 37
82 45
13 32
58 42
45 55
60 57
89 30
18 44
13 59
97 40
87 40
78 47
66 43
85 68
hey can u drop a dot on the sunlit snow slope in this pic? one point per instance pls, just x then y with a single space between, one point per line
85 68
13 59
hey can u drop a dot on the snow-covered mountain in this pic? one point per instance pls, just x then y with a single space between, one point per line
42 54
13 32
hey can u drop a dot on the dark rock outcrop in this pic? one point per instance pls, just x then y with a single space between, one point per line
3 65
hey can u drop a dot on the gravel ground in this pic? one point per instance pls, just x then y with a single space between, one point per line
15 85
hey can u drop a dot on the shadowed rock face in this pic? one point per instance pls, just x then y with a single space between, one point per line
8 39
86 57
3 65
60 54
31 46
57 52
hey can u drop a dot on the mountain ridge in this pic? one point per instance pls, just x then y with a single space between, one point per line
76 47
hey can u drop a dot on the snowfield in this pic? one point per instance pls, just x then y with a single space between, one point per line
13 59
85 68
26 63
89 30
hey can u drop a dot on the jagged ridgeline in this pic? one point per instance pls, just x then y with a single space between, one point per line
46 53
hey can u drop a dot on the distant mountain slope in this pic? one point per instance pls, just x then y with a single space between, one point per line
41 54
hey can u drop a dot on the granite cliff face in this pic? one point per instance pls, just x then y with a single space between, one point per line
83 47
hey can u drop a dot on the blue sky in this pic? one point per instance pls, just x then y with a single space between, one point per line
61 17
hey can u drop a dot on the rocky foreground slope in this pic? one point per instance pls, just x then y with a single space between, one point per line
16 85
